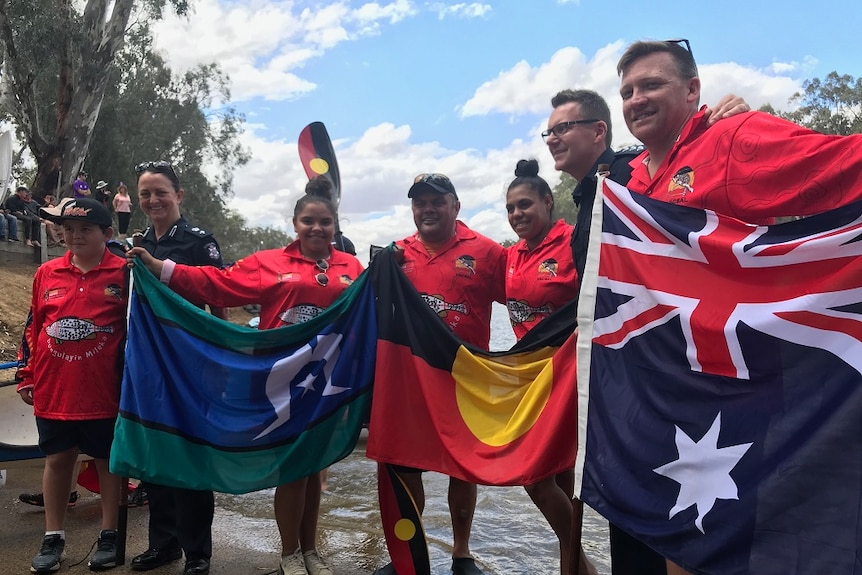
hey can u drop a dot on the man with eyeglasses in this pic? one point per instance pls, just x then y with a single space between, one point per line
753 167
460 273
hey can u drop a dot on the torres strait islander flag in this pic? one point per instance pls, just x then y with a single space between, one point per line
720 370
441 405
211 405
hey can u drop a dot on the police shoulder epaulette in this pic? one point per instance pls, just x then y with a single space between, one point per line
196 230
630 151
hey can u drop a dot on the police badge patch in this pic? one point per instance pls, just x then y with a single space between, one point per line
212 250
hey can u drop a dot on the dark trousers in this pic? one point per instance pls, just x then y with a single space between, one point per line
181 519
31 226
631 557
123 218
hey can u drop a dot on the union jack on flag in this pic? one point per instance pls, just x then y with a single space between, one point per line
720 375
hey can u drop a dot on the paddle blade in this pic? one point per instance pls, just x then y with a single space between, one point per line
318 156
402 524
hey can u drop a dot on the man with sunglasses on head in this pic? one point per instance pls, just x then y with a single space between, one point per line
753 167
451 265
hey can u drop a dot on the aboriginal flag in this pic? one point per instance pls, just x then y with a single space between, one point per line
441 405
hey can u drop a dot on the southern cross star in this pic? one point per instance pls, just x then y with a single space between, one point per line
703 471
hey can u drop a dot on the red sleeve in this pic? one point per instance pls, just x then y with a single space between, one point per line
229 287
777 168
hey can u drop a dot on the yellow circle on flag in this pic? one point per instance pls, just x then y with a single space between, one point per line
319 165
405 529
501 398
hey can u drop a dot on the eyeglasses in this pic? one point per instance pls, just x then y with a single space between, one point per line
159 167
687 48
433 178
563 128
321 278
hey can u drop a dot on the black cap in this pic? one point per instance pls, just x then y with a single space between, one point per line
80 209
432 182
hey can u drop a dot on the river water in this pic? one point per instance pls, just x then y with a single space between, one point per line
509 537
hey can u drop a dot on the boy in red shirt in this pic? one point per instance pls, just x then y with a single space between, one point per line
71 370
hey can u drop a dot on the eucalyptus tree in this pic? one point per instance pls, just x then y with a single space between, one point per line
832 105
57 57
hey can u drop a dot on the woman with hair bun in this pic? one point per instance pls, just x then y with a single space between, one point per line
541 277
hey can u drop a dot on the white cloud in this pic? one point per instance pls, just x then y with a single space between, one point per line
261 45
462 10
527 89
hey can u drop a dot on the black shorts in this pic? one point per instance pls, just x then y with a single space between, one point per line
91 436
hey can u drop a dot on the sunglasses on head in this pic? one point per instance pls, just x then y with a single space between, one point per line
684 43
158 167
321 278
433 178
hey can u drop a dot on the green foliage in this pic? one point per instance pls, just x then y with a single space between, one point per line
564 206
508 243
831 106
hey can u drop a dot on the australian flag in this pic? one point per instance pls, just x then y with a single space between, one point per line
720 371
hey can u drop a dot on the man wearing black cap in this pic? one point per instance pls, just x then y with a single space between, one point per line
448 263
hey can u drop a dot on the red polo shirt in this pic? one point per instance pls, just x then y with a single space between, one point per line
76 339
282 281
539 281
460 281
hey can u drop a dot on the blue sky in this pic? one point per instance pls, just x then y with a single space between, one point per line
463 88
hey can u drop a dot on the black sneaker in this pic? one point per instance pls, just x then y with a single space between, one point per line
38 499
52 553
105 556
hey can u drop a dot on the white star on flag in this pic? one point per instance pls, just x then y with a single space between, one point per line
703 471
285 370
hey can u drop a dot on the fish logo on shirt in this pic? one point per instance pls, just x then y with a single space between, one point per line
75 329
520 312
466 263
300 313
345 279
441 307
681 185
548 268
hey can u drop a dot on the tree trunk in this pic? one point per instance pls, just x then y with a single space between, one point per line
84 72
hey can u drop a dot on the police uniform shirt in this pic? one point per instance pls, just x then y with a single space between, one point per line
184 243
